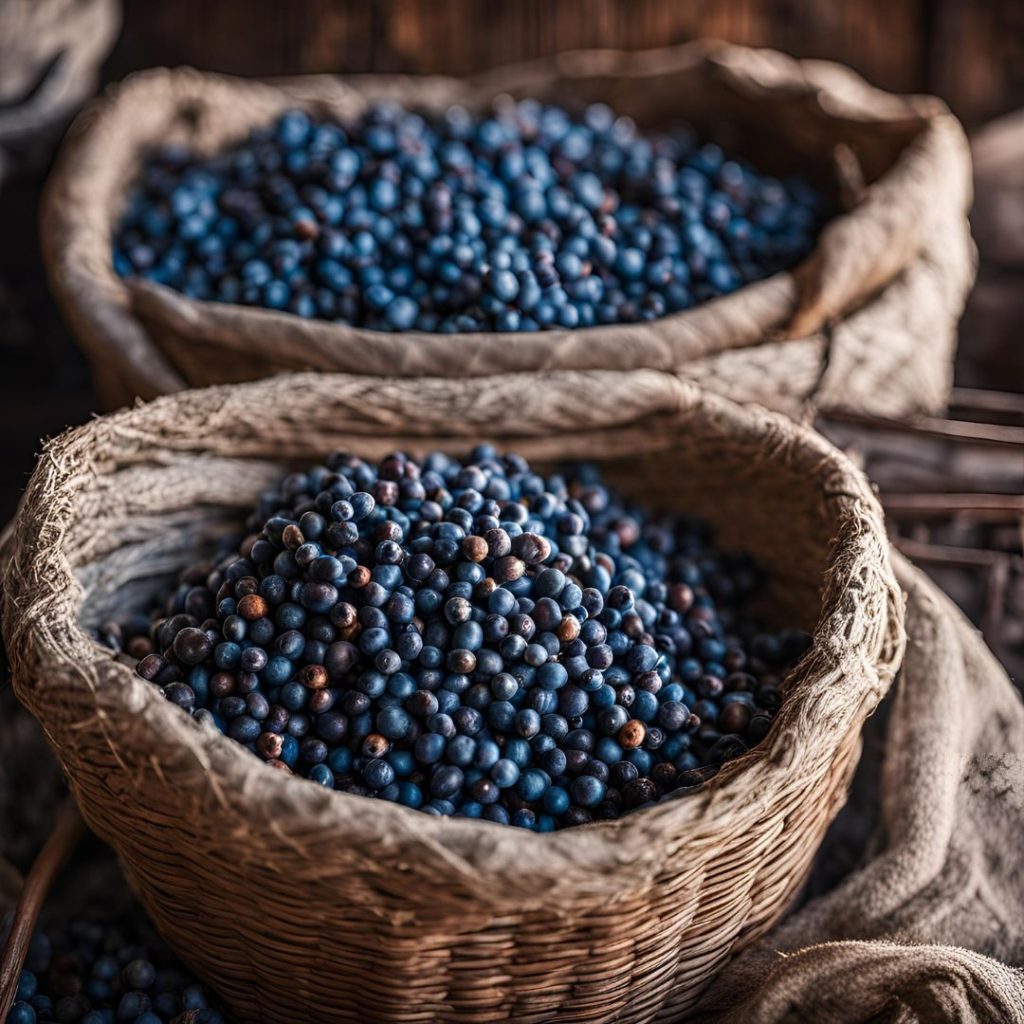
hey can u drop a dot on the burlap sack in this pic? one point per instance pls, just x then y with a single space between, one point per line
998 217
931 928
868 322
300 904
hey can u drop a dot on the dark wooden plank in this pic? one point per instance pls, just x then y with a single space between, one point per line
883 40
971 54
977 57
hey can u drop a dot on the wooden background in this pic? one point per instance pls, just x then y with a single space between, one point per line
970 53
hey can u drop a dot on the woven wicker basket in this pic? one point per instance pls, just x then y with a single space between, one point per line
869 321
299 904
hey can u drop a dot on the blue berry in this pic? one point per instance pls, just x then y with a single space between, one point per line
77 975
587 791
401 313
505 773
532 785
378 774
139 974
21 1013
446 781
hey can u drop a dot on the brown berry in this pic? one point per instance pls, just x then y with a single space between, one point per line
680 597
508 568
139 647
639 791
385 492
376 745
628 530
270 744
734 718
532 548
292 537
632 734
499 543
321 701
253 607
350 632
222 684
359 577
389 530
343 614
314 676
306 229
568 629
462 662
633 627
474 548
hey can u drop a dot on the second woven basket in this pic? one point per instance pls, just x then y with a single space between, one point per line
302 905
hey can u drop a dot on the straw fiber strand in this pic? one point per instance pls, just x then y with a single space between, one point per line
881 292
319 905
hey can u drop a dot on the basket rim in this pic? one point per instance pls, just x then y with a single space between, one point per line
464 843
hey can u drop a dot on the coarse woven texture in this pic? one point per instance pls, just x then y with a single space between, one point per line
931 928
867 322
319 905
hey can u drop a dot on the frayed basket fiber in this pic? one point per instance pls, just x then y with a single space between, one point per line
868 322
300 904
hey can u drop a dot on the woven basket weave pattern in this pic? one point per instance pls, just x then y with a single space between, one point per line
300 904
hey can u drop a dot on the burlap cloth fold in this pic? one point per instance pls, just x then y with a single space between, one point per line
931 928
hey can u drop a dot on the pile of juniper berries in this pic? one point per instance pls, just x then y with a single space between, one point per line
472 639
524 218
84 972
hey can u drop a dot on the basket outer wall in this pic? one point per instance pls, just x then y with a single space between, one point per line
300 904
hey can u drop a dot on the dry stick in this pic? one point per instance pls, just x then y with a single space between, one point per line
994 434
1001 507
975 399
51 858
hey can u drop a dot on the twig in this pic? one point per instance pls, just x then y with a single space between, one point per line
984 506
931 426
950 555
987 401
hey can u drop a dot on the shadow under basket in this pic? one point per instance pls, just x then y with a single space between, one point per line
300 904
